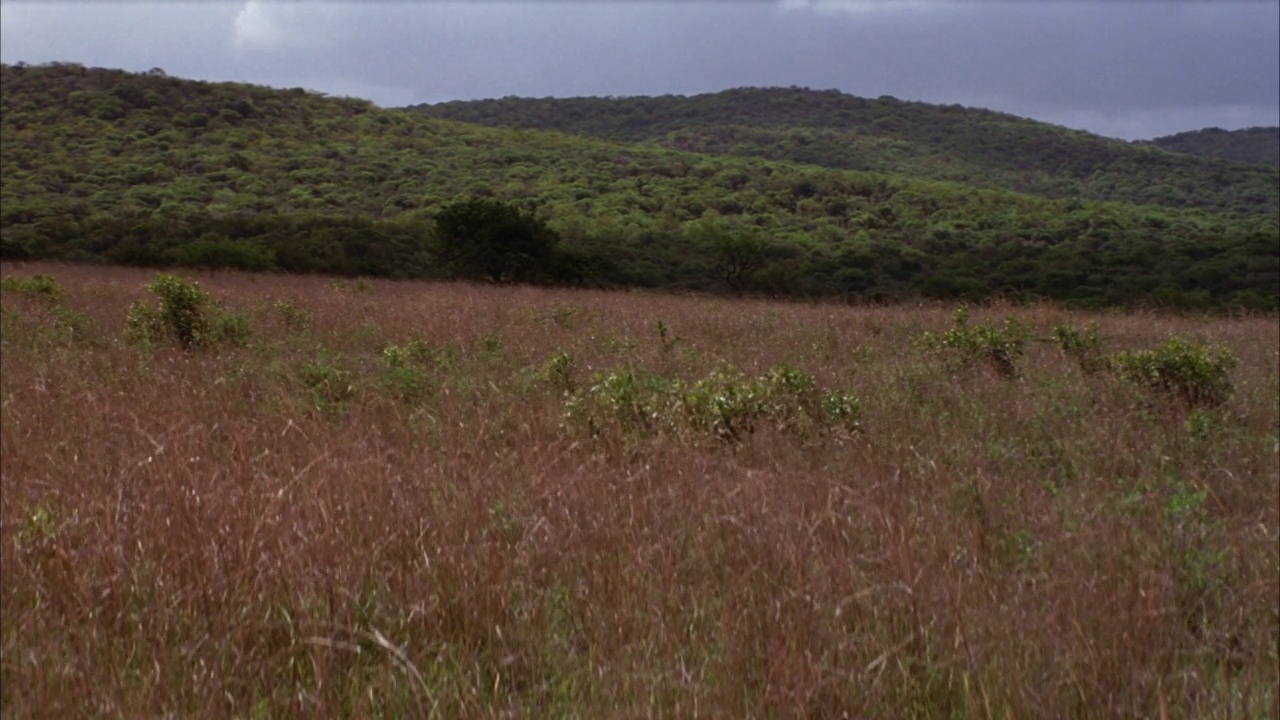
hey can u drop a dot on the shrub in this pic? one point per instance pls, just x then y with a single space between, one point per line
293 317
408 373
842 409
1196 373
1084 347
726 404
963 345
633 401
186 314
329 382
41 286
213 252
560 371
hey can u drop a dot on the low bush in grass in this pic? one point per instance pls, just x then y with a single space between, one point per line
965 345
40 286
1194 372
186 315
725 404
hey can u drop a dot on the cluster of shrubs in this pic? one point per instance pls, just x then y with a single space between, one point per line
1193 372
726 404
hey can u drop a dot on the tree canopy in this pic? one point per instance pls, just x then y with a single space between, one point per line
492 240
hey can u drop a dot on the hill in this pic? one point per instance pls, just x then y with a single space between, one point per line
836 130
103 165
1257 145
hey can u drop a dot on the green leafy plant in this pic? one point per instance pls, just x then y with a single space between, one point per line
725 404
560 371
41 286
1085 347
964 345
328 381
408 370
293 317
630 400
186 315
842 409
1194 372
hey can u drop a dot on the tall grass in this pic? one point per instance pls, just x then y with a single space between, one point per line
312 525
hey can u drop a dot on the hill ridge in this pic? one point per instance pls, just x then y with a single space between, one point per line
834 129
145 169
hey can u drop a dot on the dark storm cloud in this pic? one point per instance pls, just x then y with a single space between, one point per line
1126 69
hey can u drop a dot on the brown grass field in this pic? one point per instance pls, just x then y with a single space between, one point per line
292 528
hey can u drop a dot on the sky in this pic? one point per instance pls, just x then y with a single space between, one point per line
1132 70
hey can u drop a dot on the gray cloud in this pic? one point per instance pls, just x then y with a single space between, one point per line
1126 69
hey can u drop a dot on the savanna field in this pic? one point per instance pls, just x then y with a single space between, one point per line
273 496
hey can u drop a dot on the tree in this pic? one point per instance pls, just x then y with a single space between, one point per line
492 240
736 251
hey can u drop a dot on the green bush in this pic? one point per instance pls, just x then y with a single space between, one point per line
726 404
41 286
560 371
964 345
186 314
213 252
408 372
842 409
1194 372
1084 347
632 401
329 383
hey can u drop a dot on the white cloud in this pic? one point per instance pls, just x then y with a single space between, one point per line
254 25
277 26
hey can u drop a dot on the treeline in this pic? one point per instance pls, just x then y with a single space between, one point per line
1106 266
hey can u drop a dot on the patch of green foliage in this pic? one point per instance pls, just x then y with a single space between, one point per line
41 286
725 404
561 371
409 370
328 381
185 315
964 345
1196 373
1085 347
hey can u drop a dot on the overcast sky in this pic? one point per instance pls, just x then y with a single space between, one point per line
1123 69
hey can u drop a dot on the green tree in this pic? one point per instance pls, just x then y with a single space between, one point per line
492 240
737 251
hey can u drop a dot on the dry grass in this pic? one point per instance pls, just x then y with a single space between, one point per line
206 535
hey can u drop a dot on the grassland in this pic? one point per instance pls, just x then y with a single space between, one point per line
400 499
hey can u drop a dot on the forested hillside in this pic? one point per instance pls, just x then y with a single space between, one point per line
1257 145
101 165
836 130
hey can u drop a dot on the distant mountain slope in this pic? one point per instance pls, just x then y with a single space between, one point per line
1257 145
836 130
103 165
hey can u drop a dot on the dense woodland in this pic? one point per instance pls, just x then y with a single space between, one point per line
1258 145
145 169
954 143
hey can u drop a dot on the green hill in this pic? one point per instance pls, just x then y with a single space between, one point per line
1257 145
102 165
836 130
